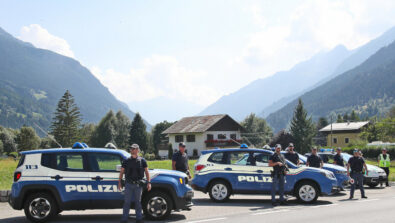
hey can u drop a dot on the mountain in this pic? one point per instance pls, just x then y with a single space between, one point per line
32 81
369 89
262 93
170 109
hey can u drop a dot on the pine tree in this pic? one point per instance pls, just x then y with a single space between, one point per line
346 118
354 117
302 129
105 131
339 119
67 120
138 133
157 136
28 139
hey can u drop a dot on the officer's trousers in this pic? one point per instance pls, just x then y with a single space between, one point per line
132 193
278 179
387 171
358 180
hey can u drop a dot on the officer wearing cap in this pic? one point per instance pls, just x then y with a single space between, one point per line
338 159
180 160
385 163
134 168
356 164
277 161
291 155
314 160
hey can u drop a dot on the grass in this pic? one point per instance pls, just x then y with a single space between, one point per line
392 168
166 164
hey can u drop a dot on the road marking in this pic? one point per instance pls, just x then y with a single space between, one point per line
325 205
270 212
367 200
207 220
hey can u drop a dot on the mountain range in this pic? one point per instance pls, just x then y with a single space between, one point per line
32 81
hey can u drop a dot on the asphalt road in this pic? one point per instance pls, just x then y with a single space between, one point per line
379 207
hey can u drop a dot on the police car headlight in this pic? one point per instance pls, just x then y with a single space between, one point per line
341 172
329 175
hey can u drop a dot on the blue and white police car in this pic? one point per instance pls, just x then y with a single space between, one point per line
49 181
223 172
339 172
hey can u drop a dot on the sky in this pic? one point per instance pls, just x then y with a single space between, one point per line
187 54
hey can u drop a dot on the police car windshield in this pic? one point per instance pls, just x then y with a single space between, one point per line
346 156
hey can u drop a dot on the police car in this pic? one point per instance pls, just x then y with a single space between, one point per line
223 172
375 175
339 172
49 181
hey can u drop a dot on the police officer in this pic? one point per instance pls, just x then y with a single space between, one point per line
277 161
134 169
356 164
385 163
338 159
180 160
314 160
291 155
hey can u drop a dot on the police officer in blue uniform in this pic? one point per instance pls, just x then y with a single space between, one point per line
134 169
180 160
356 164
338 159
277 161
314 160
291 155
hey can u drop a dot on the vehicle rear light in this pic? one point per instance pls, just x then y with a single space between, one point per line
199 167
17 176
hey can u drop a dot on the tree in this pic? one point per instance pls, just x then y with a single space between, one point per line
283 138
258 132
138 133
302 128
382 130
122 126
354 117
28 139
105 131
391 113
339 119
67 120
320 138
170 151
1 147
346 118
157 136
8 139
85 133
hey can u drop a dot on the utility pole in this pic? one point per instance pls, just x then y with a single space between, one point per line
331 132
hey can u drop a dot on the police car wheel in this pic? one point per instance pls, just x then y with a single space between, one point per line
157 205
40 207
219 191
307 192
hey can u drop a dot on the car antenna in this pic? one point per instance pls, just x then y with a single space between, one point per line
49 136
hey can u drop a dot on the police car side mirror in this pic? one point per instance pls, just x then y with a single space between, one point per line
118 168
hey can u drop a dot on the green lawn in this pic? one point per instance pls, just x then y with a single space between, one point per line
392 168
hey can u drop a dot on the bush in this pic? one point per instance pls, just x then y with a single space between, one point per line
149 156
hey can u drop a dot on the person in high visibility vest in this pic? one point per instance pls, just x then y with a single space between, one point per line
385 163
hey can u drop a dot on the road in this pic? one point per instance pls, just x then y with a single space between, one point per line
379 207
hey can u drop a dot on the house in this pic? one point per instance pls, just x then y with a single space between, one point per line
343 133
204 132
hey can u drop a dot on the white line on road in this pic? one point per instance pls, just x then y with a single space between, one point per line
270 212
325 205
367 200
207 220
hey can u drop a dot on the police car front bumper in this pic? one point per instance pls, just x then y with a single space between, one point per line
374 180
185 202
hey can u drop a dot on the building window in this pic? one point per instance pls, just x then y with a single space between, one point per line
334 140
346 140
179 138
195 152
221 136
190 138
233 136
210 137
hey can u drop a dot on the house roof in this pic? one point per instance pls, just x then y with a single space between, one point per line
346 126
195 124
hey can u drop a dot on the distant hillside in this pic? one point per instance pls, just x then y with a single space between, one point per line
262 93
369 89
32 81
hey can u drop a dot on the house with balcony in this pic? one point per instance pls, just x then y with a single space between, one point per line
204 132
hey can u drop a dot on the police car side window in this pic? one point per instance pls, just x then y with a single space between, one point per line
69 162
242 158
261 159
104 162
217 158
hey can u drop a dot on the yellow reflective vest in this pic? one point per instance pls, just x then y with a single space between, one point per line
384 162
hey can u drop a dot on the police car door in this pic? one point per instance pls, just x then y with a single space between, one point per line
69 174
104 179
244 173
263 170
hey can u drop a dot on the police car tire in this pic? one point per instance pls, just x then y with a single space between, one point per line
52 204
219 183
160 195
307 183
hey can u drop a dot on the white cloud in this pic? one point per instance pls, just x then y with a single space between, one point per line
41 38
158 76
